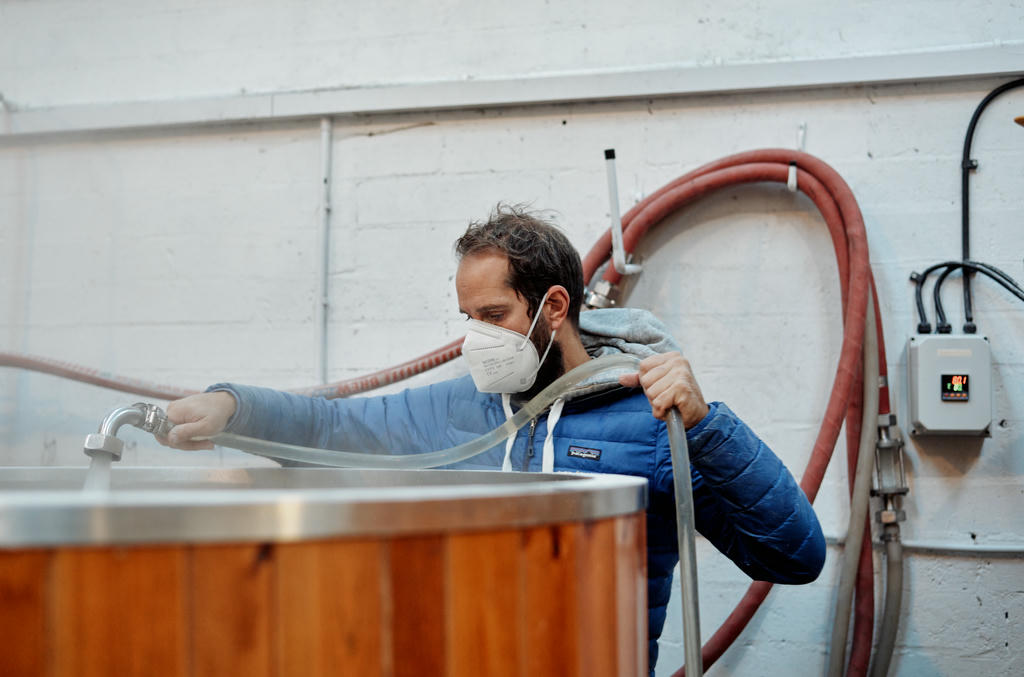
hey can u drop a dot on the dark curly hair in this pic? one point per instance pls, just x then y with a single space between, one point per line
539 255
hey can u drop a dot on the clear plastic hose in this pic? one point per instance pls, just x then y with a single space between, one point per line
433 459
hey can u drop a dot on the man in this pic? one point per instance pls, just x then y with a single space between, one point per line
520 283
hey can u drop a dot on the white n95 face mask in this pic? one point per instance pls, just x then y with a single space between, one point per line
501 360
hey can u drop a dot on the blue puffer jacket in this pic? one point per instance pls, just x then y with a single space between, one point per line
746 502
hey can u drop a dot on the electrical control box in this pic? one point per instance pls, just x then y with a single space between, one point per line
950 384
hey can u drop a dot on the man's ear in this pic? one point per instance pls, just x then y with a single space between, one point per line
557 306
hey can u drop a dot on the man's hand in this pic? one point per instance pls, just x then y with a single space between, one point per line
669 382
198 416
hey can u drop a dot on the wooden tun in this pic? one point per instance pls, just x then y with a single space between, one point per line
322 572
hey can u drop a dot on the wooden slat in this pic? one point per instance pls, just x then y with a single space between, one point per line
119 611
643 630
597 600
552 623
329 612
23 595
296 623
352 578
230 610
417 606
631 585
484 605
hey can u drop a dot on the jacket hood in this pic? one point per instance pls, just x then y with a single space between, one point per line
612 331
608 331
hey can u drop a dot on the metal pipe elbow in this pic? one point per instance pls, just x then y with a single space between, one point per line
148 417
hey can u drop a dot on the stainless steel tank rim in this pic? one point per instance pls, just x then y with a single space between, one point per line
485 500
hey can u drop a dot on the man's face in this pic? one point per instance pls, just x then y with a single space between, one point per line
481 284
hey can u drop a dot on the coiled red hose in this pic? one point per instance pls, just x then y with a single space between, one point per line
842 216
838 207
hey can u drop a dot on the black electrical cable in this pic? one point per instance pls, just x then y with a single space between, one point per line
923 327
987 269
919 280
941 325
991 271
1000 273
1009 285
966 165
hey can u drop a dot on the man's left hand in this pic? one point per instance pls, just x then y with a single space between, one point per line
668 381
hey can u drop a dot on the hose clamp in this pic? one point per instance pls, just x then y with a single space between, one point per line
154 419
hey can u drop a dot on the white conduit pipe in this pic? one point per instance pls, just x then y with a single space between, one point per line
618 249
859 498
937 548
326 133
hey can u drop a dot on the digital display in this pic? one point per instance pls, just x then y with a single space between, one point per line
954 388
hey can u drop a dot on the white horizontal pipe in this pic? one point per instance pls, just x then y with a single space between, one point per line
988 60
952 548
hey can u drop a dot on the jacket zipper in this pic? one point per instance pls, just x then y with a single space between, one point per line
529 445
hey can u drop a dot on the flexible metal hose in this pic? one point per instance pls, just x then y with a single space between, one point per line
685 532
859 499
893 600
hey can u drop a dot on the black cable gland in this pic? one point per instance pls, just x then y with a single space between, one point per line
946 328
970 328
609 154
924 328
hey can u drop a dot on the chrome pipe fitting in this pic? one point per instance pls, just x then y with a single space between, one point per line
600 295
148 417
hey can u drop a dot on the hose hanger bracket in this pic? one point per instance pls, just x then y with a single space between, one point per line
801 138
619 257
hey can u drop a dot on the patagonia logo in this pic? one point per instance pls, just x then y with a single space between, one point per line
583 452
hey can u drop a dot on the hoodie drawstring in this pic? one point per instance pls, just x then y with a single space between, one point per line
548 460
506 465
548 455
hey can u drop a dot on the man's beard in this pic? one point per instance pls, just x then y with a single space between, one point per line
551 368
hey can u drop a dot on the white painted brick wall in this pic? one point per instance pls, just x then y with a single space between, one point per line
189 256
59 52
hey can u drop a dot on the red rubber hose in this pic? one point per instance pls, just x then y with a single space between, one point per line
351 386
811 175
94 376
384 377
